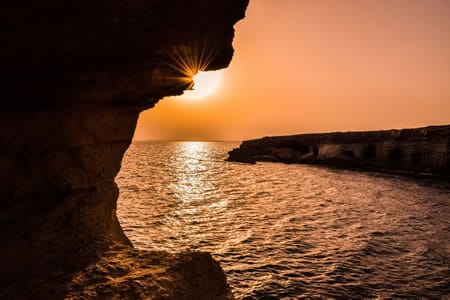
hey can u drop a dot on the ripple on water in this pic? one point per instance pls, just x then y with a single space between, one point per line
289 231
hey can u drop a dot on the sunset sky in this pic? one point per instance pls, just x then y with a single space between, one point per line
321 65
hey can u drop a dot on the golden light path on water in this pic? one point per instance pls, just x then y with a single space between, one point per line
191 164
191 183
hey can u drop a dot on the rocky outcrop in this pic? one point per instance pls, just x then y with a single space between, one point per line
423 151
134 274
75 74
137 274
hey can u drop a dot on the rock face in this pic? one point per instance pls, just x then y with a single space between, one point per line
411 151
135 274
75 74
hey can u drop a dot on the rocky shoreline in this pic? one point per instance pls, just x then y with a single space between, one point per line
127 273
138 274
419 151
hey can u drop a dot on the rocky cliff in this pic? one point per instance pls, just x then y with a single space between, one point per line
74 76
423 151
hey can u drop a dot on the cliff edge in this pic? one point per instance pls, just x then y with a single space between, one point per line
75 75
419 151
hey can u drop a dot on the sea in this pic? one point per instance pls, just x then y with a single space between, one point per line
289 231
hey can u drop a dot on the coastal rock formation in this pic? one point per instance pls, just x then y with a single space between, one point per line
127 273
75 74
423 151
137 274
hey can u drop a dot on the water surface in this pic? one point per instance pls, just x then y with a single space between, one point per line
289 231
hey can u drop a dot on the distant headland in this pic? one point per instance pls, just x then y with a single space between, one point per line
418 151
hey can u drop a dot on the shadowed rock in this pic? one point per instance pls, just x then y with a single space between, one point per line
74 77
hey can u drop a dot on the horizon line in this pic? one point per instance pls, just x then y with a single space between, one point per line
293 134
178 141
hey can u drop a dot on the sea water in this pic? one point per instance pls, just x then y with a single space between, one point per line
289 231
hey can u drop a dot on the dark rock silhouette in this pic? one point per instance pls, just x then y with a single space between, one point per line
74 77
420 151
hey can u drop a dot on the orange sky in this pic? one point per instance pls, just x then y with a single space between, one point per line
321 65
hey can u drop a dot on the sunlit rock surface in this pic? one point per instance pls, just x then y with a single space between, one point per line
419 151
74 77
138 274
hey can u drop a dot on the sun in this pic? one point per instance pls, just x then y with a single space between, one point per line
205 83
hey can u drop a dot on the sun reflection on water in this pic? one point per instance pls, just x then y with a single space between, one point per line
195 192
190 165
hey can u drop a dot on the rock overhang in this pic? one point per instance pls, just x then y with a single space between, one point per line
61 53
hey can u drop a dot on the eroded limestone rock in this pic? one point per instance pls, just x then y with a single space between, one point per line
75 74
420 151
